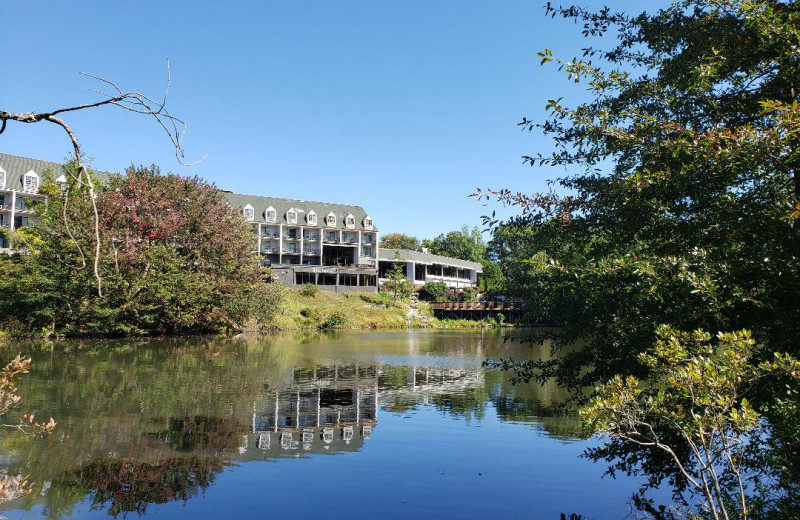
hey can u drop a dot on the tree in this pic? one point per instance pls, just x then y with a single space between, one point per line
434 292
13 487
463 244
400 241
79 177
681 200
176 258
396 281
694 409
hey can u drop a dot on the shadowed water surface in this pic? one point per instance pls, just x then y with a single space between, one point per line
348 425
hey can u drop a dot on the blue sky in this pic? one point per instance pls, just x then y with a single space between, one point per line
401 107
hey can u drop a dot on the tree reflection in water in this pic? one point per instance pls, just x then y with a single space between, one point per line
158 420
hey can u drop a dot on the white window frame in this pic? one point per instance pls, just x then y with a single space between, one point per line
30 182
3 177
330 220
249 213
291 216
368 222
270 215
311 218
350 221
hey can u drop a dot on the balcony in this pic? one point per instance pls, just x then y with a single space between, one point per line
311 252
290 252
311 238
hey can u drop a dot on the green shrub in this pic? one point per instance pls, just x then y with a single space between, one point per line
433 292
469 294
333 321
309 289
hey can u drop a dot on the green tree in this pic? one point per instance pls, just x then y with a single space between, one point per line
434 291
400 241
694 409
175 258
463 244
680 204
396 281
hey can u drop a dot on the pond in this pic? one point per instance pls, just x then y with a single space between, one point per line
346 425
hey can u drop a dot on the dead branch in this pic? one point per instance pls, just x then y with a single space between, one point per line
132 101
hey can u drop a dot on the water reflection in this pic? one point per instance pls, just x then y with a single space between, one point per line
153 422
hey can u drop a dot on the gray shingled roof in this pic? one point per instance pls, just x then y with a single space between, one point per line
16 166
260 205
407 255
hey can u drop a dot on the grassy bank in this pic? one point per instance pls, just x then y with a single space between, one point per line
303 309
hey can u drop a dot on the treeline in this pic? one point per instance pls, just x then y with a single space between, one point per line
174 258
668 254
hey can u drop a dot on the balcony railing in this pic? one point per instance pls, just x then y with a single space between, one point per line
312 252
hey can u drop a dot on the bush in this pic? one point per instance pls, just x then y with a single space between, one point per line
335 320
469 294
309 289
433 292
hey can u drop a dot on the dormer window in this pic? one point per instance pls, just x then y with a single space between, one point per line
2 178
270 215
350 221
291 216
367 222
311 218
330 220
30 181
249 213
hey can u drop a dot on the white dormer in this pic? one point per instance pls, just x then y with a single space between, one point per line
30 182
349 221
270 215
2 178
368 222
249 213
291 216
311 218
330 220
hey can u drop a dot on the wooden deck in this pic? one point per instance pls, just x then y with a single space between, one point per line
473 310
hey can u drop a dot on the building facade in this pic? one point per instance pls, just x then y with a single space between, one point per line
20 178
334 246
421 268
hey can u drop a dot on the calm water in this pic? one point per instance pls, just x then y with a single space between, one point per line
351 425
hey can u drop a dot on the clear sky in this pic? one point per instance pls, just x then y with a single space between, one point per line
402 107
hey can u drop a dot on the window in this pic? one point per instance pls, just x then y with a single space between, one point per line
367 251
367 222
330 220
350 280
2 178
270 215
249 212
367 280
350 221
311 218
291 216
304 278
30 181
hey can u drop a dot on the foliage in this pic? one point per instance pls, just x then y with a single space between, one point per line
397 283
175 258
469 294
681 199
463 244
433 291
695 401
309 289
12 487
334 321
400 241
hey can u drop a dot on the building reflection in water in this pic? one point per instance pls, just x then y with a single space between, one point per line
319 409
334 407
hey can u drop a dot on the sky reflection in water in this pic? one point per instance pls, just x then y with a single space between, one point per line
348 425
